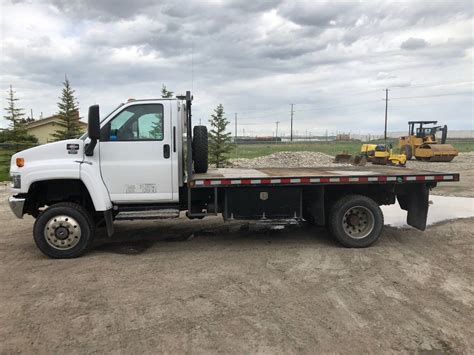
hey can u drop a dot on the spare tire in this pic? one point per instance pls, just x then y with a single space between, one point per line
200 149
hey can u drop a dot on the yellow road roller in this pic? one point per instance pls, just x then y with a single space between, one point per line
422 144
383 155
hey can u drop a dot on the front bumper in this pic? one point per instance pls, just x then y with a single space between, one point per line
16 205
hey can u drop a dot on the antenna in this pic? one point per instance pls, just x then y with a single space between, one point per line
192 68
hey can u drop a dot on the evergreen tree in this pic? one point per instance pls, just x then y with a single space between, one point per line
165 93
219 140
14 115
16 131
68 113
156 131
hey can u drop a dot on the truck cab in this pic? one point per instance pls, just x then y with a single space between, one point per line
134 159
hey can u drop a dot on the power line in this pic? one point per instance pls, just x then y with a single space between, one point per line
339 106
434 95
351 94
305 104
436 84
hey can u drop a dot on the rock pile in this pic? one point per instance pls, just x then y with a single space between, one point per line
287 160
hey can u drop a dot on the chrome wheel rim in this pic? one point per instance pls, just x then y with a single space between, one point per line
358 222
62 232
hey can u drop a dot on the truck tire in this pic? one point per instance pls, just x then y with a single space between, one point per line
407 151
200 149
355 221
63 231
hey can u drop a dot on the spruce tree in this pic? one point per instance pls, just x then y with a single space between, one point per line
165 93
14 114
68 114
15 117
219 140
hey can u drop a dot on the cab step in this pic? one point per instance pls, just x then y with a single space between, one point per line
147 214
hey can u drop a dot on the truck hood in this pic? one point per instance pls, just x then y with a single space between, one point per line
71 149
58 159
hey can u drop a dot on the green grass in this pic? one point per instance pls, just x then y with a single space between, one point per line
4 164
462 145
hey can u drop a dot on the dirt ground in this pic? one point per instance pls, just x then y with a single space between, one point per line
462 164
180 286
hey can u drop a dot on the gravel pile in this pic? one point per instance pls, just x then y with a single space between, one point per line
287 160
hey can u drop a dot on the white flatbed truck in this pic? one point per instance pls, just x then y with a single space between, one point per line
133 165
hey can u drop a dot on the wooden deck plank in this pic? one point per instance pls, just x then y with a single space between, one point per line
238 173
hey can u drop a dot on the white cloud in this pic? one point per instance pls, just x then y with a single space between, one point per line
332 59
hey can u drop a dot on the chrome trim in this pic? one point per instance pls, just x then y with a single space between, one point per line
16 205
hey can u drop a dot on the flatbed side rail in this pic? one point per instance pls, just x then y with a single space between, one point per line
323 180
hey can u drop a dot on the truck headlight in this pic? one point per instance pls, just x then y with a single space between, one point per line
16 181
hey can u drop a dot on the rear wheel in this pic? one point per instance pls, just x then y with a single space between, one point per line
200 149
356 221
64 230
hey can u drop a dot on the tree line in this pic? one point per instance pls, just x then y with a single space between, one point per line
69 126
67 115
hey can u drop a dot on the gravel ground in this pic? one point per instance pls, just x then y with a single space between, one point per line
463 162
203 286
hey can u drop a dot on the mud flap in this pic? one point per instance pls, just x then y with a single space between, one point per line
414 200
109 222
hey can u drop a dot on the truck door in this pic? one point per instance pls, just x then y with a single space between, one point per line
135 154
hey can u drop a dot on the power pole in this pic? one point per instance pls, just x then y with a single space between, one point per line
235 138
386 109
276 131
291 128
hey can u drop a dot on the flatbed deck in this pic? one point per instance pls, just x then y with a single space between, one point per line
320 175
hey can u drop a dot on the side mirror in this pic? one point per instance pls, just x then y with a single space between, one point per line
93 129
94 122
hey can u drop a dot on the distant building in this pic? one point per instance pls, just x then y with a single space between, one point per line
44 128
343 137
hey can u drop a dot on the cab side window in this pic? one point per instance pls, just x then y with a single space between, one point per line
135 123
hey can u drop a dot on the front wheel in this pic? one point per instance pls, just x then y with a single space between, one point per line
64 230
356 221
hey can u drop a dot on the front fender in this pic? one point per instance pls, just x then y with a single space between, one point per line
90 176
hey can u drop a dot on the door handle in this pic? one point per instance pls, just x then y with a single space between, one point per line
166 151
